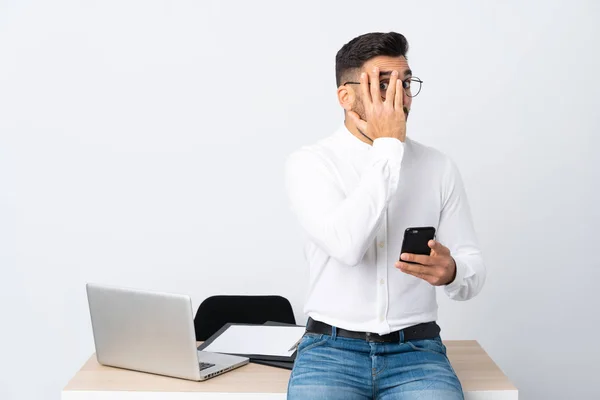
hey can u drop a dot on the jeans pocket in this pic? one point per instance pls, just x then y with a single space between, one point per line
435 345
309 341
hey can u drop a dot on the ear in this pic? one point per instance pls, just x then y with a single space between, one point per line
345 97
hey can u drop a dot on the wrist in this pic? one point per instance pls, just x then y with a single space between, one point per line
453 277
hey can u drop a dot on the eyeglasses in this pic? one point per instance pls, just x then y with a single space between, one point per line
412 86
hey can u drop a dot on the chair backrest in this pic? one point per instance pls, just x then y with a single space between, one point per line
216 311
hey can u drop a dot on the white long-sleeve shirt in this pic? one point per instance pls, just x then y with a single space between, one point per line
354 201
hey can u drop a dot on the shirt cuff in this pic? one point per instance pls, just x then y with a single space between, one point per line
390 149
461 275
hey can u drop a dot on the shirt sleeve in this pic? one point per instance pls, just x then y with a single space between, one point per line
343 225
456 232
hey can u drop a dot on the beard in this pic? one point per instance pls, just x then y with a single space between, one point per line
359 108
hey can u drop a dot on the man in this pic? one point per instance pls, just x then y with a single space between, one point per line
371 332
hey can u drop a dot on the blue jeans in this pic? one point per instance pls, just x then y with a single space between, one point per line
328 367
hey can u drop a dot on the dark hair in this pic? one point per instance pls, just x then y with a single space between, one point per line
359 50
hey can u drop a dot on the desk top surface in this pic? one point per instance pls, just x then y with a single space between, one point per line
474 368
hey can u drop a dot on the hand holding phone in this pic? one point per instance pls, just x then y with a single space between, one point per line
416 241
436 266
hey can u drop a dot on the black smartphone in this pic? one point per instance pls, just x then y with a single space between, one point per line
416 241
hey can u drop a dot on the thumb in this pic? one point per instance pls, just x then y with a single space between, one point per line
360 123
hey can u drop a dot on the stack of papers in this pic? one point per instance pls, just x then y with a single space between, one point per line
258 342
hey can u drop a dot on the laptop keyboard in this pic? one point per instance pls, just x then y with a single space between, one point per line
204 366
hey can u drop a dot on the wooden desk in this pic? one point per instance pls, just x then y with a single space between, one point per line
479 375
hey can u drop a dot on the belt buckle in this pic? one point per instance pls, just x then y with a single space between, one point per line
374 337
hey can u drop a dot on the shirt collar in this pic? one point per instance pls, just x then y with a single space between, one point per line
350 139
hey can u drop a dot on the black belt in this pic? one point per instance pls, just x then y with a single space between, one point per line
428 330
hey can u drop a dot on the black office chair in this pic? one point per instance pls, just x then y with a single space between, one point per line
216 311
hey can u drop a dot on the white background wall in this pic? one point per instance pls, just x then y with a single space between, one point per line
142 144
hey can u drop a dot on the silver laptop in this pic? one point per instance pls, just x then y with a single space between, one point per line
151 332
